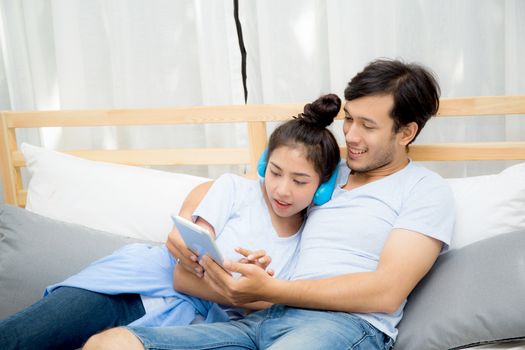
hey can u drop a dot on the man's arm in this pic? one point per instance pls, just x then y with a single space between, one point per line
406 257
188 283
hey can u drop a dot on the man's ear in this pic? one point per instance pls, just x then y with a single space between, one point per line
407 133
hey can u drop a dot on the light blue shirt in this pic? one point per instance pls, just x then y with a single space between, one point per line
146 270
347 234
236 209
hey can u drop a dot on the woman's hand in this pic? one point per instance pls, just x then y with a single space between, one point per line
176 246
256 257
185 257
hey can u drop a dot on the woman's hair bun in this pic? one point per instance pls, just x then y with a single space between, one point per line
322 111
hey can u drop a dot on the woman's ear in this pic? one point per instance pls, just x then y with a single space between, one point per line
407 133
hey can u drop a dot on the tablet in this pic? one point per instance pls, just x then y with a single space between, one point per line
198 239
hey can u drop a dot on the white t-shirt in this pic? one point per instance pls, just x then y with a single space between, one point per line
236 209
348 233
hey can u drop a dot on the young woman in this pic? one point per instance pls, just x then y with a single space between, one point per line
134 285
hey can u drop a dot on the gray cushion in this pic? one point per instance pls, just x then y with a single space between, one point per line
472 296
36 251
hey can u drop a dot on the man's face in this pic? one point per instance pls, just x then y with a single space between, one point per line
371 144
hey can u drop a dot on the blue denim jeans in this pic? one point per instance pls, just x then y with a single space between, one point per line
66 318
278 327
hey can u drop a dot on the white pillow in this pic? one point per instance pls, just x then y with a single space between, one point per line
488 205
137 202
124 200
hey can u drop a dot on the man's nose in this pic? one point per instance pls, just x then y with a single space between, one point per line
352 134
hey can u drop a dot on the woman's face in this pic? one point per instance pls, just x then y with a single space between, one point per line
290 180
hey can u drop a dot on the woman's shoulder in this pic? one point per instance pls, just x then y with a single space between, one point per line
236 178
237 182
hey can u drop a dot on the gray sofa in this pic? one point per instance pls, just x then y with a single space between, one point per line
473 295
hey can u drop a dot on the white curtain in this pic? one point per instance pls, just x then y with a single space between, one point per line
76 54
63 54
303 48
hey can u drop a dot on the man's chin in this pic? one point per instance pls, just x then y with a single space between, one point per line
356 169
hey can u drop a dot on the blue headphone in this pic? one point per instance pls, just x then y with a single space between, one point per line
324 191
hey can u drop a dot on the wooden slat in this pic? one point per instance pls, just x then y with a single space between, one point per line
166 116
464 151
469 151
21 196
485 105
188 156
482 105
257 139
8 173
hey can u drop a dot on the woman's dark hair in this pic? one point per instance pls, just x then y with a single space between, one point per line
413 87
308 129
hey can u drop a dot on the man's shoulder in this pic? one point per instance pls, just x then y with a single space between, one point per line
419 172
417 180
421 181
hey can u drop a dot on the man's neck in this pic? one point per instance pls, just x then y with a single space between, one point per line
357 179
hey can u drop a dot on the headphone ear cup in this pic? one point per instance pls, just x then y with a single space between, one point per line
325 190
262 163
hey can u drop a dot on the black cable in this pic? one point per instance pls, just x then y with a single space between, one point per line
241 47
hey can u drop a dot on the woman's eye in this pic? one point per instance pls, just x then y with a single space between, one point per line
300 182
274 173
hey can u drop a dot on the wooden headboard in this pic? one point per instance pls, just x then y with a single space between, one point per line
254 116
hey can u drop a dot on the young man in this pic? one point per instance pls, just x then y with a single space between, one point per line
361 254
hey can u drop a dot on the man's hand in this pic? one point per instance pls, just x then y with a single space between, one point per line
185 257
254 284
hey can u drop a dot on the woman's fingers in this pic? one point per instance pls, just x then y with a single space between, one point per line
185 257
257 257
251 255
